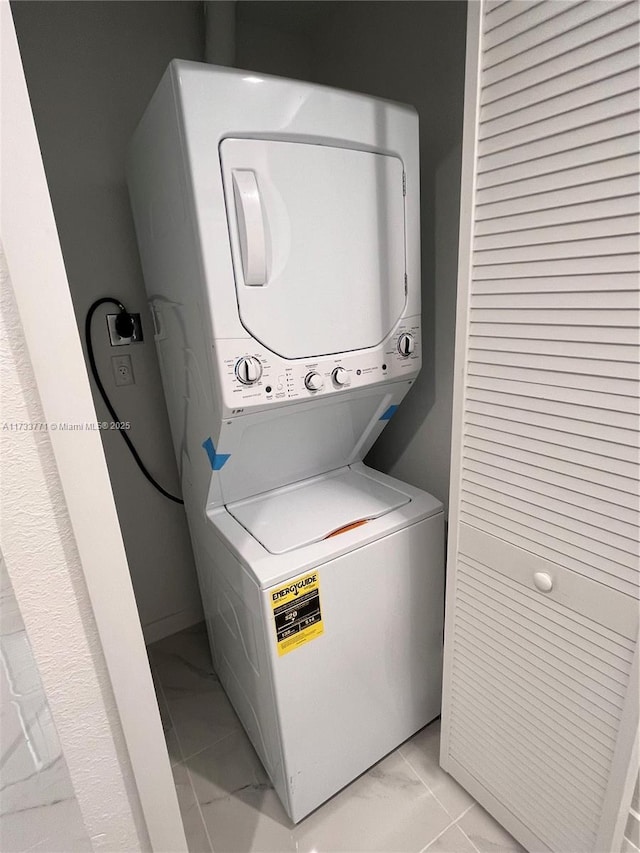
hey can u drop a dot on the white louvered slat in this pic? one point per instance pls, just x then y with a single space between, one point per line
560 298
569 534
607 188
501 466
569 233
531 419
581 671
510 484
591 787
617 282
557 379
568 454
616 167
574 139
554 551
540 331
492 140
544 558
509 400
556 163
560 742
607 651
603 264
497 13
568 835
598 247
536 31
571 349
612 317
541 90
595 526
568 101
560 45
496 726
530 15
575 813
574 66
557 362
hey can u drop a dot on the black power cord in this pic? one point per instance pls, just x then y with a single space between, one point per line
124 327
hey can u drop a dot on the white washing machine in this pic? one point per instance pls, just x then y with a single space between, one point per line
279 235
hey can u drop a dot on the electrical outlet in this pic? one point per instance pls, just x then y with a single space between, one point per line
114 337
122 369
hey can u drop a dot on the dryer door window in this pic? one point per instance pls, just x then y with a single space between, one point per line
318 243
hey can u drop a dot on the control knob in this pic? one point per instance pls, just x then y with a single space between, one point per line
248 370
314 382
406 344
340 376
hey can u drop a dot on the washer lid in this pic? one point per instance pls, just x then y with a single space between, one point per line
315 509
318 244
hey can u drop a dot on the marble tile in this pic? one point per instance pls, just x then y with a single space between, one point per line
170 736
37 802
386 809
628 847
45 785
10 616
197 704
29 739
194 829
486 834
19 664
16 759
240 808
452 841
422 752
53 828
191 646
632 830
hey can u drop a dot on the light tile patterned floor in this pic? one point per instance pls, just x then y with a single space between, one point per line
404 803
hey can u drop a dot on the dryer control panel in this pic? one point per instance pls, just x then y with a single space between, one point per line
253 378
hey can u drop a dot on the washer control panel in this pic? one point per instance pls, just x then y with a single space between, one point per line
253 377
406 344
249 370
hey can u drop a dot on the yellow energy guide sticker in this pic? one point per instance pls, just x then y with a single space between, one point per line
296 612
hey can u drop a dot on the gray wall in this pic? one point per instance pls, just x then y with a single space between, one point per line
412 52
91 68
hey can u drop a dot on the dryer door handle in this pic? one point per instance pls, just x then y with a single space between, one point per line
250 227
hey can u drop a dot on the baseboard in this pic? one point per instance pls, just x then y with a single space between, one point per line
171 624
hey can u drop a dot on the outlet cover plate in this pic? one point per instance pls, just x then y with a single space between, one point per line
122 370
114 337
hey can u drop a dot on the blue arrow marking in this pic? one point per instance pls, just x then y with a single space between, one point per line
389 413
217 459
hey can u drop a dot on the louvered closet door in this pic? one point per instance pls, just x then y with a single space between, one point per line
540 694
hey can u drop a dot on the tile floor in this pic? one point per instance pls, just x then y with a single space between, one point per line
403 803
38 807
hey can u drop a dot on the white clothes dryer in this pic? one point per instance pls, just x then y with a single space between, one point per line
278 227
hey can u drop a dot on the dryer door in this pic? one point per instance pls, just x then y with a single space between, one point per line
318 243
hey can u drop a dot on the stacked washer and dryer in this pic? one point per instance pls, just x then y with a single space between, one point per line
278 227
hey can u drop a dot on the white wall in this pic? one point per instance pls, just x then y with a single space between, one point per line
60 536
44 568
91 69
412 52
